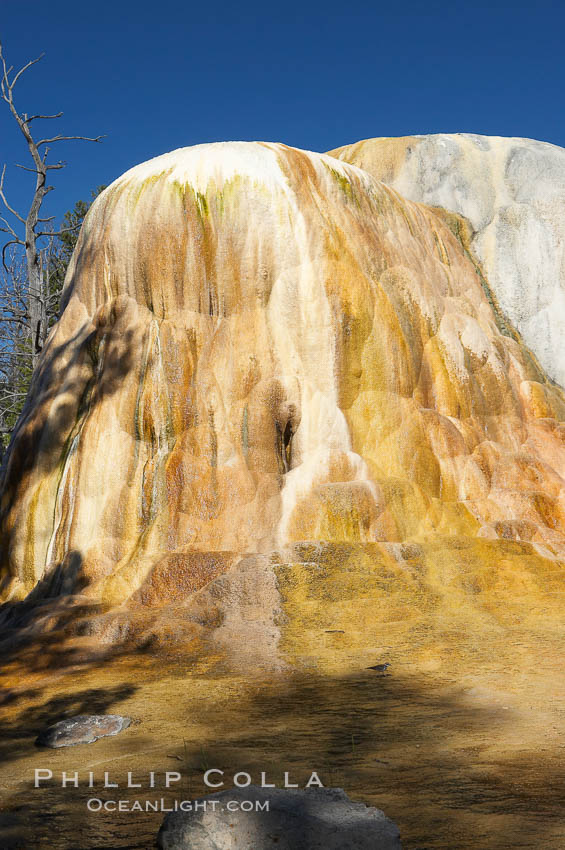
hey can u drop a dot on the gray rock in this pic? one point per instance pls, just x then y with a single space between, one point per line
313 819
82 729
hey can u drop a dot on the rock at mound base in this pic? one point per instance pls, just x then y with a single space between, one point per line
313 819
82 729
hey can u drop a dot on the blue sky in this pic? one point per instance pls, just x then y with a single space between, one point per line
160 75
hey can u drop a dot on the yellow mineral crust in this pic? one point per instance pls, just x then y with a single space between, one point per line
262 346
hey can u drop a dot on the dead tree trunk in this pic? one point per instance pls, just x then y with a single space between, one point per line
28 231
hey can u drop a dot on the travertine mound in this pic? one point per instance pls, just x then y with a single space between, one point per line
512 191
262 346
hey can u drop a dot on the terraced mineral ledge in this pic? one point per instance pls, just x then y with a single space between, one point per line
288 429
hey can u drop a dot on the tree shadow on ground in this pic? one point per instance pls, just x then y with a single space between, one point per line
398 742
39 637
390 742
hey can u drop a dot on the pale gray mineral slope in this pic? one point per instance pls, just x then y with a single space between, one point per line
512 191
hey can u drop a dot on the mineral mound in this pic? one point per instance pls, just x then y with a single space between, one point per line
271 365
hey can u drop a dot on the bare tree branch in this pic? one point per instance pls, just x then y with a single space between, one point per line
67 139
25 67
3 196
59 232
7 245
9 229
25 168
45 117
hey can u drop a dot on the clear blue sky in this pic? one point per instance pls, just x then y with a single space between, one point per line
159 75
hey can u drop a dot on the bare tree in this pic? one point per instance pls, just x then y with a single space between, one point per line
30 275
31 232
15 362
